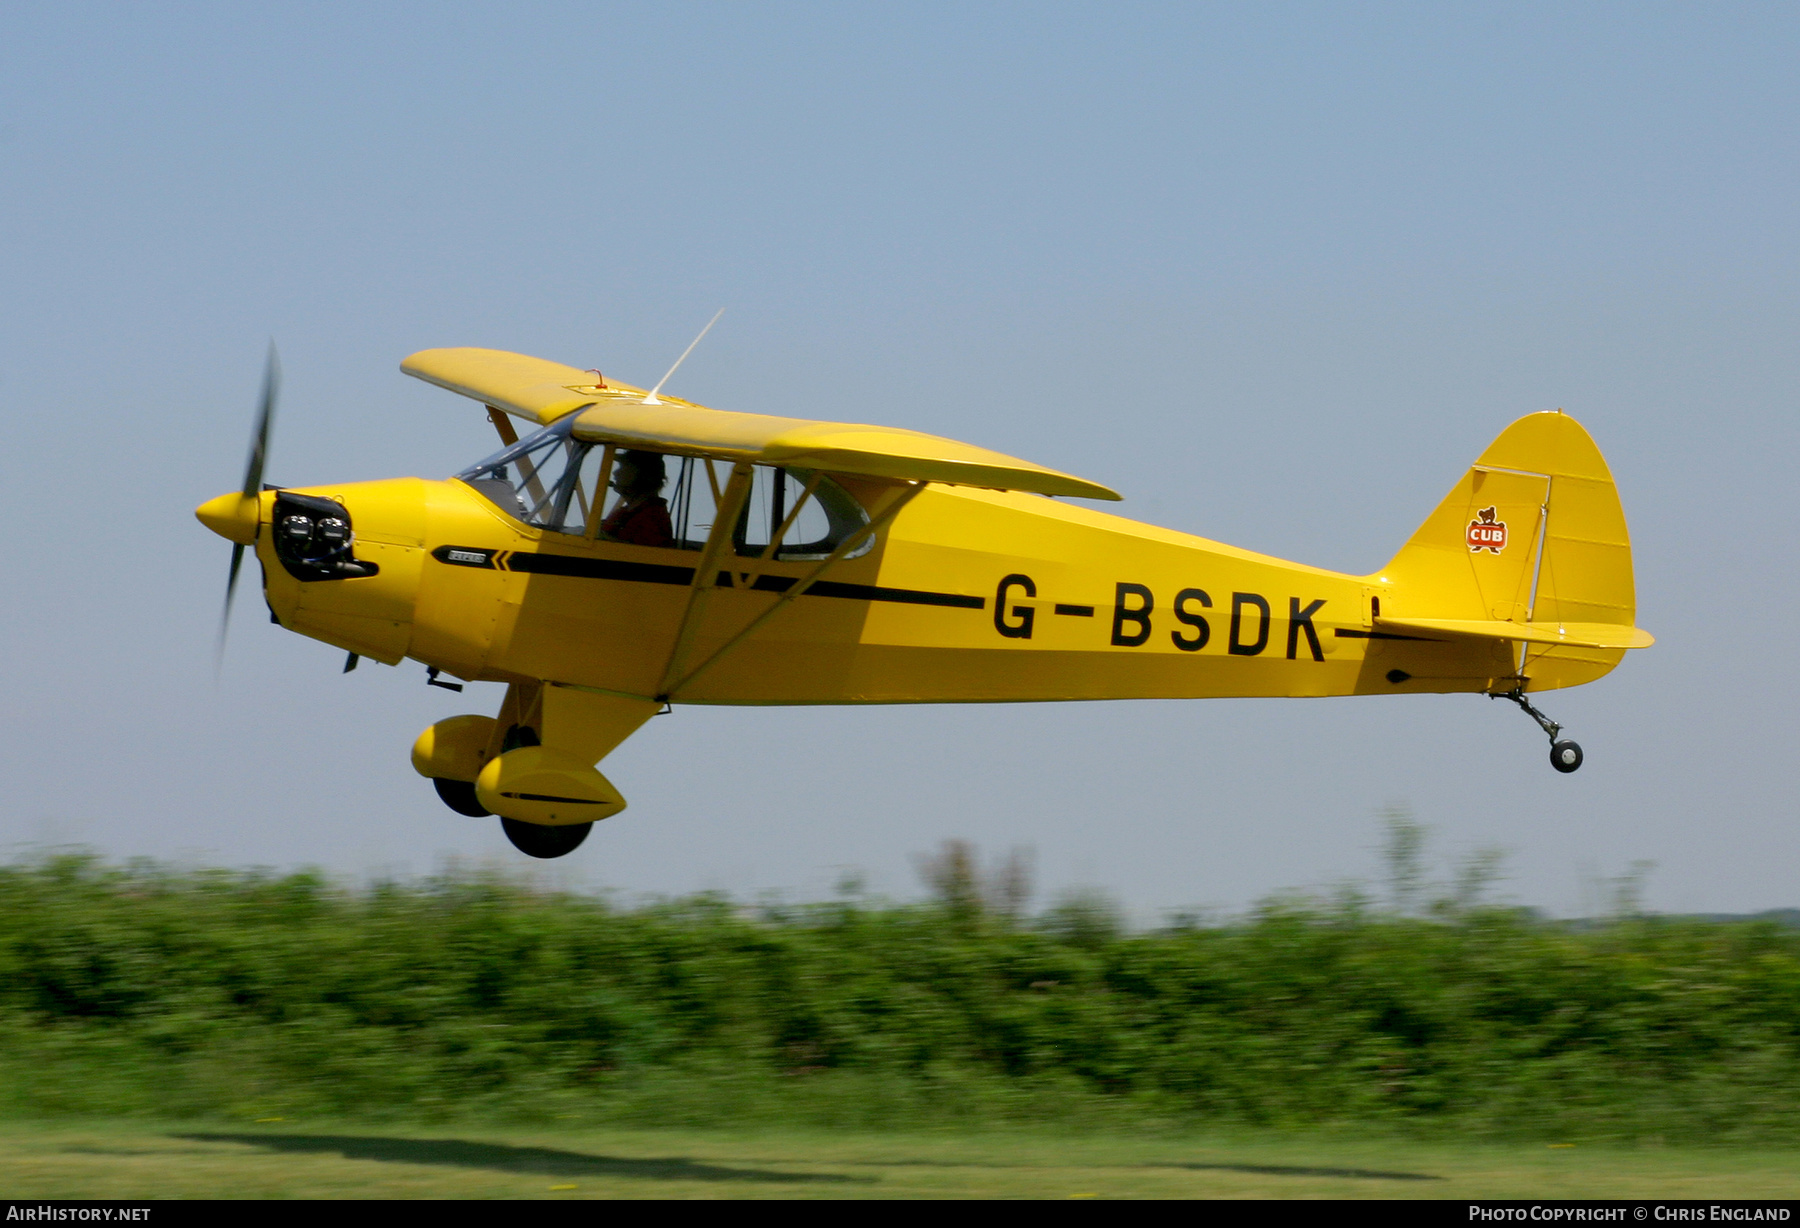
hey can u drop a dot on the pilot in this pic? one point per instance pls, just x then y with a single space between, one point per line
641 517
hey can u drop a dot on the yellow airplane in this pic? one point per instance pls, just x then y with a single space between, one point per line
632 551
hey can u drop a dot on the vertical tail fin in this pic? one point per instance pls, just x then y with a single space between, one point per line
1534 534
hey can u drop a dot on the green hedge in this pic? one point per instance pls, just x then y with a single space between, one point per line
147 990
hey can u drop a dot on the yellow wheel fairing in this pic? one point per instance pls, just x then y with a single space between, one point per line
546 786
455 748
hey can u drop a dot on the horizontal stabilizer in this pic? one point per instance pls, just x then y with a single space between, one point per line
1573 635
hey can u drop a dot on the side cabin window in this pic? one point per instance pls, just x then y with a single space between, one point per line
562 484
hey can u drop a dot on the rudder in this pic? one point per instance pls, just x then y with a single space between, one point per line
1533 533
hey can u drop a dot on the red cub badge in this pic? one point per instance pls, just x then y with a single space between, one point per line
1486 533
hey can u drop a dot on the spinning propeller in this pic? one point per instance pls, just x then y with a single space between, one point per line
235 516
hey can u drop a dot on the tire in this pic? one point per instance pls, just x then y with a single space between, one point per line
1565 756
459 795
535 840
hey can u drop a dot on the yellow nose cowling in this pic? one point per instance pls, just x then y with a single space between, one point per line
231 516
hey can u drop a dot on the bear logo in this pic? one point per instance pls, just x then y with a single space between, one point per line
1486 533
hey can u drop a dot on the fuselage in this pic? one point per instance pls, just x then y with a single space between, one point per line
967 595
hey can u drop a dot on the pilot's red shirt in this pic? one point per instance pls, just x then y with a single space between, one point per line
642 524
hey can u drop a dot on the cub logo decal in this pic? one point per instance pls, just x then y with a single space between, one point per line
1486 533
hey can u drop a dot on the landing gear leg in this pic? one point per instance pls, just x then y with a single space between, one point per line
1565 756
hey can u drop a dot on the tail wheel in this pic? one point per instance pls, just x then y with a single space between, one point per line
1565 756
534 840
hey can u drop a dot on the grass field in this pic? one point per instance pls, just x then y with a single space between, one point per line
311 1160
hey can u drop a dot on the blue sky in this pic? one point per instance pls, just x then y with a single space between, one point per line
1277 272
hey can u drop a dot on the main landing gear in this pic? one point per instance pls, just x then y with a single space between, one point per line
1565 756
532 839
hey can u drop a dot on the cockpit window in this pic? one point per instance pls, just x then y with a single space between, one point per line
555 482
534 481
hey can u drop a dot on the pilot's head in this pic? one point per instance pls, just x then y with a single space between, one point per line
638 475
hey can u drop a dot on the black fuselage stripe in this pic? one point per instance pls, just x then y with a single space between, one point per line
1344 633
904 596
660 573
599 569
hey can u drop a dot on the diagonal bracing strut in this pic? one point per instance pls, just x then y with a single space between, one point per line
798 589
706 572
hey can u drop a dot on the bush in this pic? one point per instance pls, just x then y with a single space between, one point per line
140 989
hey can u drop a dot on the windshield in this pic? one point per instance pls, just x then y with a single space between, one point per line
640 497
534 481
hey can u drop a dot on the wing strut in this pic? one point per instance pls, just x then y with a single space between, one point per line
849 544
503 424
706 572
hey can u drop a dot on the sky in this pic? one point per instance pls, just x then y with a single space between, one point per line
1277 272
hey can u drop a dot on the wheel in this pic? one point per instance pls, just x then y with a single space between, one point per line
1565 756
535 840
459 795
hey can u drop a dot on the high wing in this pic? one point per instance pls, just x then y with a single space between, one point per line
617 413
526 387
